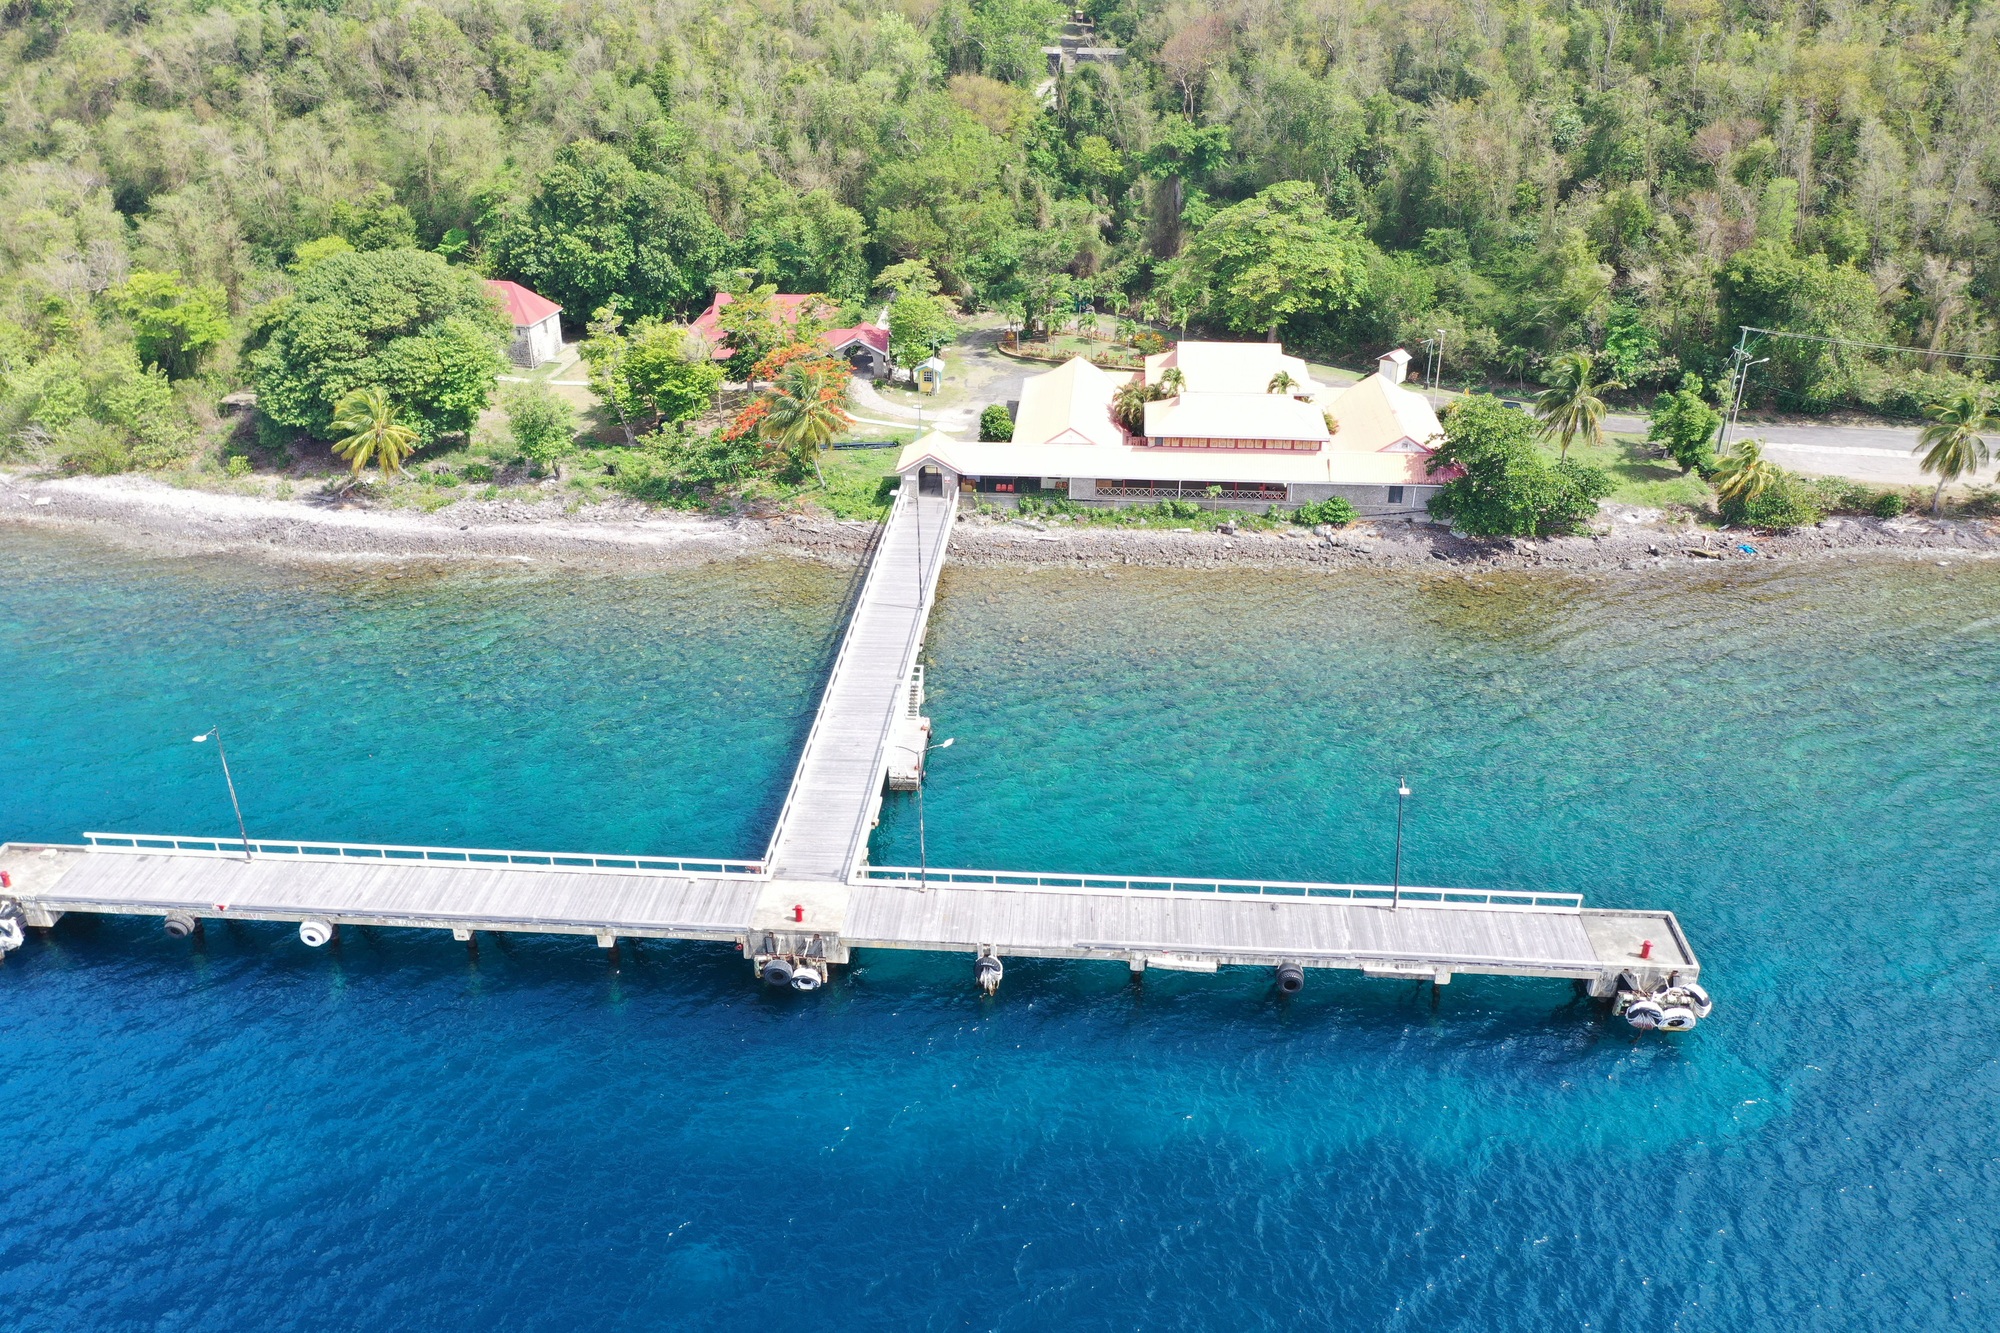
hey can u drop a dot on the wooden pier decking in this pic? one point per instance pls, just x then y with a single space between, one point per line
822 831
1143 928
814 898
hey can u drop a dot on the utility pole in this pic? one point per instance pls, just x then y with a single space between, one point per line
1740 364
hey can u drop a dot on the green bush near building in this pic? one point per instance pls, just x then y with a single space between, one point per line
1336 510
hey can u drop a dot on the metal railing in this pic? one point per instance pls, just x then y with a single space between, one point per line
1372 895
398 854
905 496
928 572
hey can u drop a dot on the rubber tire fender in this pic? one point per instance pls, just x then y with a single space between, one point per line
776 972
1677 1018
1291 978
1644 1014
807 979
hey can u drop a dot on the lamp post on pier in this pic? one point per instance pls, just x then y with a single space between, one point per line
215 734
923 849
1402 799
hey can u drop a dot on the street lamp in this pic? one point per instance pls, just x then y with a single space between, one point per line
215 734
1402 799
923 849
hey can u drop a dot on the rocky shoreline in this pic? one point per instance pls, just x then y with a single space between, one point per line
156 517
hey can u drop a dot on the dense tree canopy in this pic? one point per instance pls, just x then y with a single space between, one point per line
1527 176
405 320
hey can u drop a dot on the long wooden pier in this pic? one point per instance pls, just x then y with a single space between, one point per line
836 794
814 898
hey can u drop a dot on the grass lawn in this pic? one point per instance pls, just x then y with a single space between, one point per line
1640 479
860 483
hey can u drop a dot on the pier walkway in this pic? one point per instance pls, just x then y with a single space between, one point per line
814 898
822 831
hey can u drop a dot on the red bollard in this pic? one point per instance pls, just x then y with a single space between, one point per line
799 914
6 880
1645 948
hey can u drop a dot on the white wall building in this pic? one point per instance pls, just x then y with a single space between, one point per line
537 323
1244 426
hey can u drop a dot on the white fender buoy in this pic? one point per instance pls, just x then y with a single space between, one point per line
807 977
776 972
315 932
1291 978
12 936
1698 1000
1644 1014
988 971
1676 1018
180 925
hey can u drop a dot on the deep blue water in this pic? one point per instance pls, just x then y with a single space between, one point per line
386 1134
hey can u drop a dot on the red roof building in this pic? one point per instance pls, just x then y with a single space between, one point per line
536 319
865 346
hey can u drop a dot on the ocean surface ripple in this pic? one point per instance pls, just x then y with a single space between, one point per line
1804 763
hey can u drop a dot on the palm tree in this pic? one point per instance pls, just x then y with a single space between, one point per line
1745 473
1128 405
1282 382
1570 407
1172 381
371 432
805 412
1952 442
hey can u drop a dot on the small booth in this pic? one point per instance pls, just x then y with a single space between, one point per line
930 375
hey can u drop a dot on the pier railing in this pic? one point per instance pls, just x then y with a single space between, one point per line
1371 895
905 496
295 850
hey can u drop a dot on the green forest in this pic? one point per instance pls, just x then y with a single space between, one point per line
181 184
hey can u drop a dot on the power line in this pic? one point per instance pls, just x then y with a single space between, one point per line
1852 342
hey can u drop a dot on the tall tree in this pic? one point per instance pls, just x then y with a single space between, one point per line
1570 407
1270 257
805 414
399 318
1953 441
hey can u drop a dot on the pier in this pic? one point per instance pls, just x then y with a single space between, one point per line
813 898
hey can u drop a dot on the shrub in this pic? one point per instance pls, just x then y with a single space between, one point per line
543 426
84 445
1787 503
237 466
1032 504
1336 510
996 424
1889 504
1685 426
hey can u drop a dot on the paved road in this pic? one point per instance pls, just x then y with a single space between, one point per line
1881 454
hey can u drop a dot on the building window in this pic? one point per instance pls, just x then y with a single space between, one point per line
1395 495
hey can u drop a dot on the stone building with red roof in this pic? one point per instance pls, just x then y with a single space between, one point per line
537 323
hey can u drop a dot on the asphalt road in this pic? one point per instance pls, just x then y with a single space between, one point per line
1881 454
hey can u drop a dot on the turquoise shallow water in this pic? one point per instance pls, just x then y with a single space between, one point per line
1803 764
